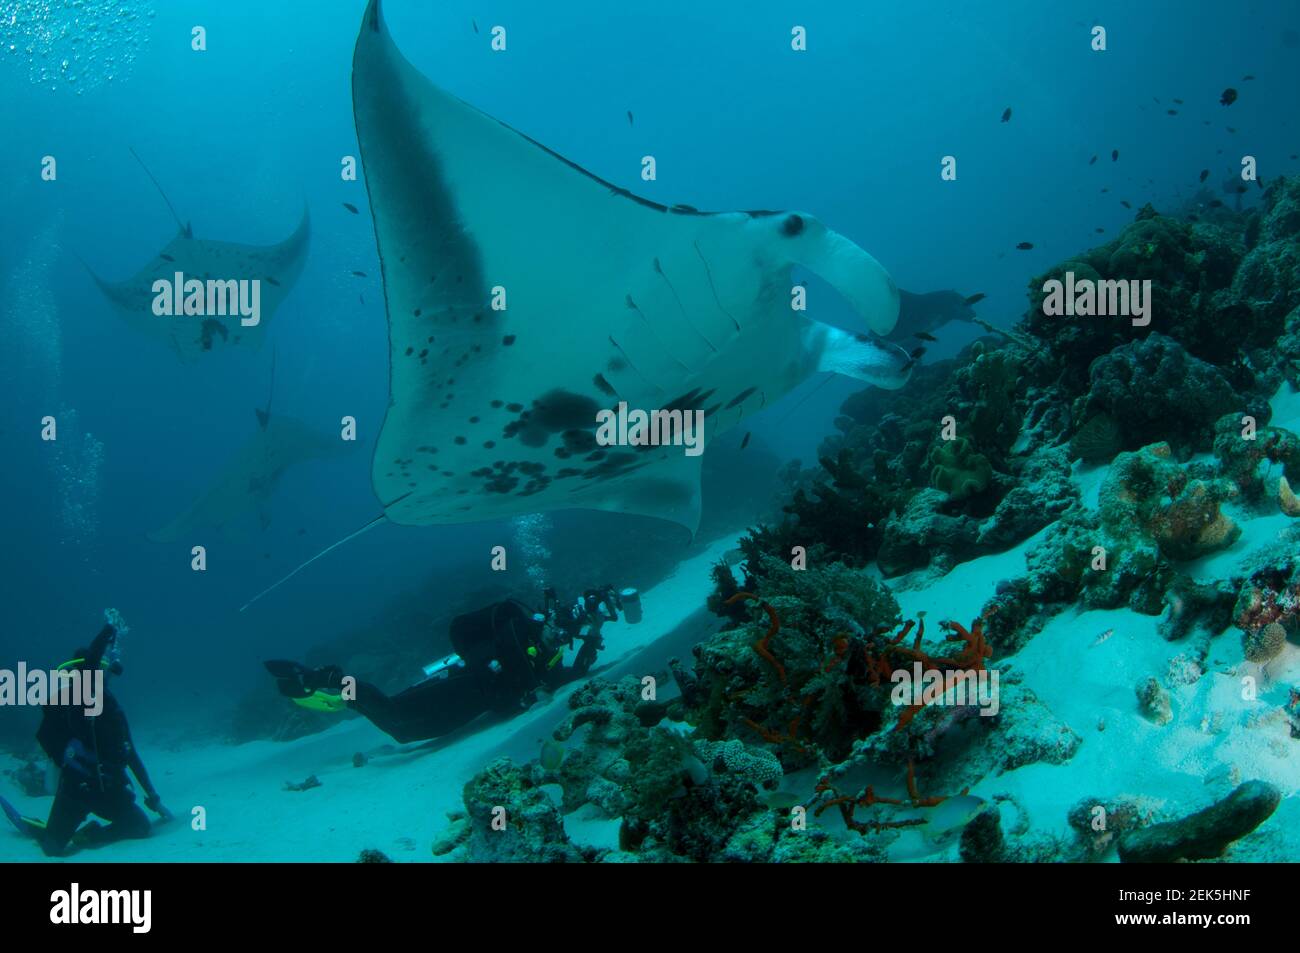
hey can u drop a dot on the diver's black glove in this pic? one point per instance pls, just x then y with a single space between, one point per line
153 801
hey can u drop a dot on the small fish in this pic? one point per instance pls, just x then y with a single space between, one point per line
1205 174
1092 161
1102 638
361 298
552 755
1114 155
351 208
917 353
302 532
1125 204
1178 101
1229 97
745 443
1006 114
1247 78
925 336
166 257
474 24
629 117
1025 246
1231 130
271 281
1099 231
976 298
359 274
1105 190
1172 112
1294 156
1215 203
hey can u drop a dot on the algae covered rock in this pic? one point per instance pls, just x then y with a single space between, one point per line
1155 391
1205 834
924 531
1149 496
1043 492
513 820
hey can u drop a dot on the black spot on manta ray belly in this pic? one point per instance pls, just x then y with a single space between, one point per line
792 226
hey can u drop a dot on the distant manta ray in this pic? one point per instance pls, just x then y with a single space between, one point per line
277 267
609 298
245 485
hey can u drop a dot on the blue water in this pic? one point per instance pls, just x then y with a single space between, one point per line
239 135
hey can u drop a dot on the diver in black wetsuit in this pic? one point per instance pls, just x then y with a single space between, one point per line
503 654
94 753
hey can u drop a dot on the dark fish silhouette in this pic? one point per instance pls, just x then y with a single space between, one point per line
351 208
1205 174
1172 112
1006 114
629 117
976 298
745 443
1092 161
166 257
1229 97
1124 203
925 336
1247 78
1099 231
1025 246
271 280
474 24
359 274
1114 155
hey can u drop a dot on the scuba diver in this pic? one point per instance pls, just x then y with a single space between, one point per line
93 753
503 653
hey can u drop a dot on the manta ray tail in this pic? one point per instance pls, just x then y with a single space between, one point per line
324 552
184 226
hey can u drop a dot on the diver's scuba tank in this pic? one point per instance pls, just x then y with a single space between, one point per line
630 601
443 667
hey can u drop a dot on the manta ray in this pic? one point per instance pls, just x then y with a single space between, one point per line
925 313
243 487
277 266
525 294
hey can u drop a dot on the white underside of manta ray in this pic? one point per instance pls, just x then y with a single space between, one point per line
276 266
609 297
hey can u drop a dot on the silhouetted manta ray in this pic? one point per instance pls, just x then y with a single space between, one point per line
928 312
277 266
245 484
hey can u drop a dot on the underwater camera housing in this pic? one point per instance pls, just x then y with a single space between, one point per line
630 600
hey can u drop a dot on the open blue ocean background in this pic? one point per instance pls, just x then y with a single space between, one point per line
240 135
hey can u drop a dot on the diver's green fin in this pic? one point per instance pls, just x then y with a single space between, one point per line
27 826
322 701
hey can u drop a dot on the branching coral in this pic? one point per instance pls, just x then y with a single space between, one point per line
847 804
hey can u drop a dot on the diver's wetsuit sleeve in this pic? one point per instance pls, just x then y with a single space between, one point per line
133 760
